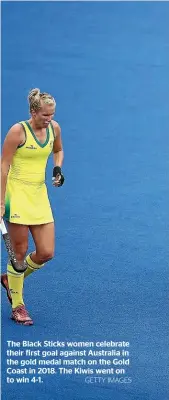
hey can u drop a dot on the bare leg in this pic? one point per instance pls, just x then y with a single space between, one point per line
44 238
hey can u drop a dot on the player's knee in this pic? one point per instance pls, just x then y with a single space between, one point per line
46 255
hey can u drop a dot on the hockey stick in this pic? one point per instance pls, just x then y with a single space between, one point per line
18 267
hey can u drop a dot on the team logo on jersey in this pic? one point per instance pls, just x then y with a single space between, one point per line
31 147
15 216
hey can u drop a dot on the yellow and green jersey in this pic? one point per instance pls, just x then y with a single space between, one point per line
26 200
30 159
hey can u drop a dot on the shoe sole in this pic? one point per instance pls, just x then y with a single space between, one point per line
27 323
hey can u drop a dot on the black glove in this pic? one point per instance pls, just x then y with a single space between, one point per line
57 171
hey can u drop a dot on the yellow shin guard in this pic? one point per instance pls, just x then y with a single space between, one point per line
15 282
32 267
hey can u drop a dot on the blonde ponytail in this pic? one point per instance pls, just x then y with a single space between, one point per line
35 97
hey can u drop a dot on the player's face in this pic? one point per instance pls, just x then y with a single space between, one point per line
44 116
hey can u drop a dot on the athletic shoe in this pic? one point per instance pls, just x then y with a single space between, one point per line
4 283
21 316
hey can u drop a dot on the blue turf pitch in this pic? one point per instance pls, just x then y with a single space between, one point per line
107 65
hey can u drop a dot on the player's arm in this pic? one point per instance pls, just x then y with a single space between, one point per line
57 146
58 156
13 139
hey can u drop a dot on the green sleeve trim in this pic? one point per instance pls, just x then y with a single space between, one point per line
53 131
21 145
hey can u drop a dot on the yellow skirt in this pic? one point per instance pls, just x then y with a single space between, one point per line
27 203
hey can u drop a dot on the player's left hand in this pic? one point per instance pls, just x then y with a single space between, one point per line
58 178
